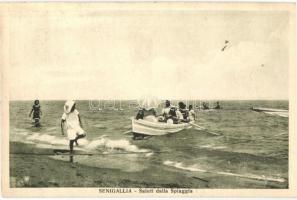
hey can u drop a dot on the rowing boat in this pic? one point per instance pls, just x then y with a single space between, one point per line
150 128
272 111
260 109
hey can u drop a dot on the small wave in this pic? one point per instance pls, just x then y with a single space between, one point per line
27 142
47 139
180 165
44 146
22 133
115 144
20 130
194 168
282 133
42 140
281 114
99 126
51 128
213 147
49 146
33 136
149 154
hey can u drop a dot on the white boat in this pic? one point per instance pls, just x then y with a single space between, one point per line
281 114
260 109
144 127
272 111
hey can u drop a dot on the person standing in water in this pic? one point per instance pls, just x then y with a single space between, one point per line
72 122
36 110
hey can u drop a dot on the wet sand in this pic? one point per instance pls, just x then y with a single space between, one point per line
32 167
46 172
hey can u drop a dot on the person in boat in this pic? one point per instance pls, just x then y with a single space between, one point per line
166 110
72 122
36 110
192 114
168 114
182 112
172 117
205 106
218 106
146 114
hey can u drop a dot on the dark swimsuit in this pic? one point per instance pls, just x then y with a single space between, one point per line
36 112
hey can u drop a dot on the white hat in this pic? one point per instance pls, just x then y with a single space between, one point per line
68 106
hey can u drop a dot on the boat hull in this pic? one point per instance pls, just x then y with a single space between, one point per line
259 109
272 111
144 127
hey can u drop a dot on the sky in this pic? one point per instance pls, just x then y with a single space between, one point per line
125 54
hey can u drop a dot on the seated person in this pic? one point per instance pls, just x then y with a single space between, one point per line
218 106
192 114
184 111
140 114
166 110
179 115
172 116
205 106
146 114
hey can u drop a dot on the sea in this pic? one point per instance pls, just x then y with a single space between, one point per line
235 142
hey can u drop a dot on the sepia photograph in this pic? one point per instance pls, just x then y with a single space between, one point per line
148 99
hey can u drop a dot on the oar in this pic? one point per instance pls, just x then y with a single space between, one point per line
204 129
196 125
126 132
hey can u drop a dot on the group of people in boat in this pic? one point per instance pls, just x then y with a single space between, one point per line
205 106
170 114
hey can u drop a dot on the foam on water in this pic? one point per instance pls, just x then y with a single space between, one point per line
34 136
281 114
180 165
45 138
24 133
51 128
194 168
99 126
20 130
281 133
101 142
213 147
149 154
115 144
49 146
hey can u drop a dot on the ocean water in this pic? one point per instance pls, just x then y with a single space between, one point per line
248 145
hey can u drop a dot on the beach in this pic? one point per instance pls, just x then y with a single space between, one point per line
251 150
45 172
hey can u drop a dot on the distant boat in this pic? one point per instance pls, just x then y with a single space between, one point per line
149 128
272 111
261 109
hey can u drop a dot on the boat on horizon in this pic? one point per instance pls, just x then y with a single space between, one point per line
272 111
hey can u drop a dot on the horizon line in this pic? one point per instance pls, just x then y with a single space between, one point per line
215 99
